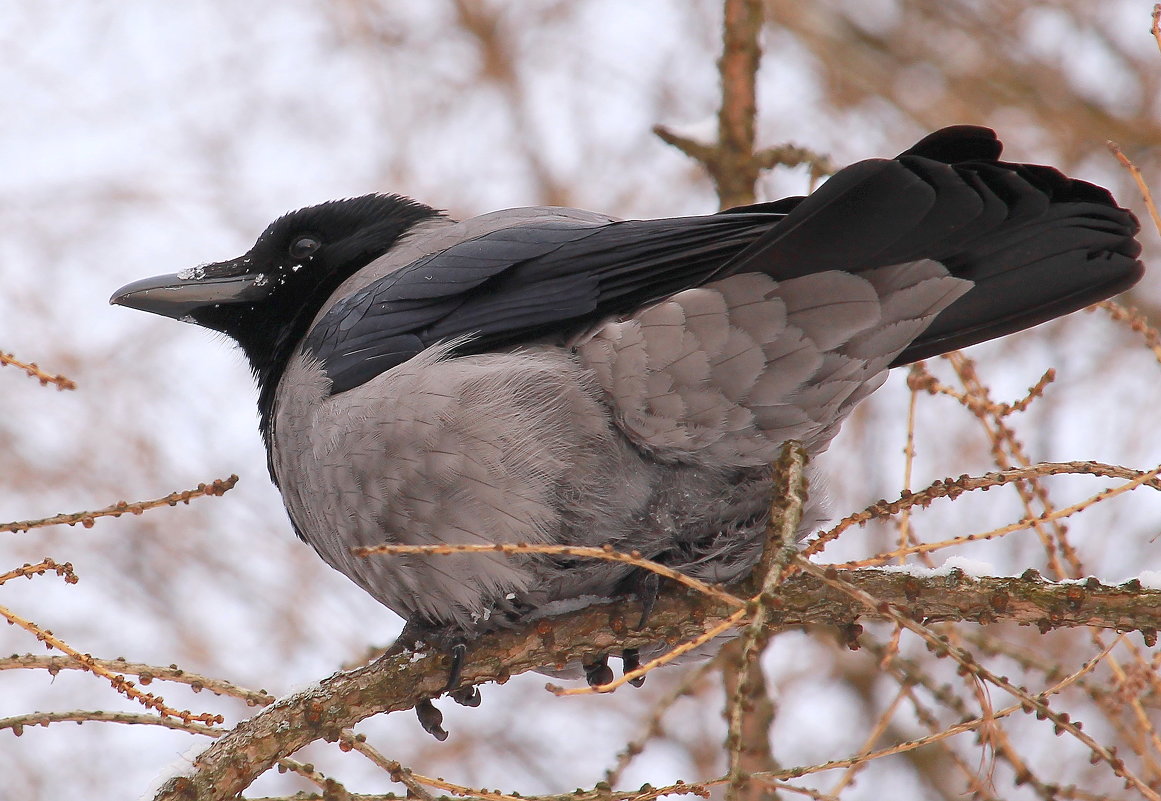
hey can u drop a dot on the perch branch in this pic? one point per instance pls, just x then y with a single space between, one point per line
395 682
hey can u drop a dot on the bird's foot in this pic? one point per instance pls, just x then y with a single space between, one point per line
431 719
597 671
467 696
419 635
630 661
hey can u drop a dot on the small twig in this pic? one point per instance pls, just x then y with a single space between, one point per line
39 569
941 647
1136 321
17 722
607 553
903 523
920 379
653 728
789 155
416 783
117 680
403 775
1027 522
733 621
943 734
86 519
1138 178
788 500
878 731
33 371
1008 451
145 673
954 487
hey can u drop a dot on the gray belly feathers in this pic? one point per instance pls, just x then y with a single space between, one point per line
651 433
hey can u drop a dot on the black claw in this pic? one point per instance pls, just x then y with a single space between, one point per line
630 661
431 719
466 696
598 671
647 589
459 650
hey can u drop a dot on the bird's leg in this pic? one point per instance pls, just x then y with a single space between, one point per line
465 696
415 635
647 587
597 671
418 633
630 661
458 650
431 719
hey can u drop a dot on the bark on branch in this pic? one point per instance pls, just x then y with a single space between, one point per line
230 764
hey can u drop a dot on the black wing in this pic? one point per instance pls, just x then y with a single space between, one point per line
1036 243
520 283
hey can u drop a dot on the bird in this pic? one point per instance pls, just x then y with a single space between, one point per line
551 375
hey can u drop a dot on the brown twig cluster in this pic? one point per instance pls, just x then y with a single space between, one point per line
111 670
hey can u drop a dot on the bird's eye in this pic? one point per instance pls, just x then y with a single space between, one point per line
304 246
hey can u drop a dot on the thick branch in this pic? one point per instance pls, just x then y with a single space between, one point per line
394 683
732 162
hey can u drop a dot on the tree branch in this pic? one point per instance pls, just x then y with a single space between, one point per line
731 162
395 682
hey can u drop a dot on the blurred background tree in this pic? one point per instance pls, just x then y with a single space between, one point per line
143 138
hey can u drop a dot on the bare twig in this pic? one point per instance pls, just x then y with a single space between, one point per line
653 726
39 569
943 733
1139 179
1136 321
1028 522
920 379
607 553
33 371
86 519
749 711
1156 28
17 723
117 680
692 644
145 673
940 646
954 487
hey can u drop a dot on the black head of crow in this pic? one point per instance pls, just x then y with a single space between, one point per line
550 375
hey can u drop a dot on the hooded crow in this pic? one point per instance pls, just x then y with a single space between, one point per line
552 375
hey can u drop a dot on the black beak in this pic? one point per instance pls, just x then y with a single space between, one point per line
178 295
